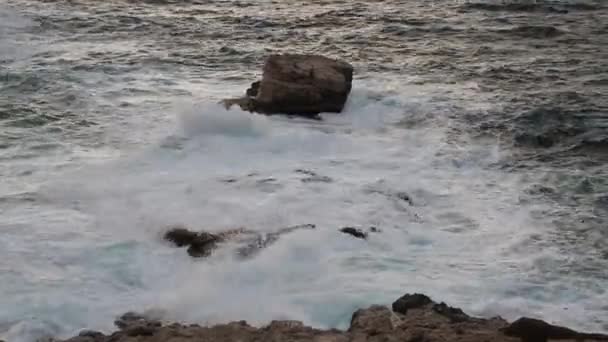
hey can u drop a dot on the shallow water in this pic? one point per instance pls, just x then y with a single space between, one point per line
491 120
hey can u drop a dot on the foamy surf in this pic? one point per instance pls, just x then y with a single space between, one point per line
233 169
111 131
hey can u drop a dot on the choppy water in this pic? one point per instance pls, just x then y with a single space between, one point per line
492 118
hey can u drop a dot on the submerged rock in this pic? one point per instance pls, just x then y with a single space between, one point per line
180 236
202 244
415 318
303 85
199 244
354 232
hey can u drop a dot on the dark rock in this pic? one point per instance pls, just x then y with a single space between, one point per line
90 333
536 330
140 330
455 315
128 318
303 85
181 237
253 91
410 301
427 323
199 244
354 232
374 230
203 245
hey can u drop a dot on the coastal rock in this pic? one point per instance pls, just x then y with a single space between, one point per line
199 244
374 319
294 84
535 330
180 236
89 333
415 318
455 315
359 234
202 244
410 301
131 319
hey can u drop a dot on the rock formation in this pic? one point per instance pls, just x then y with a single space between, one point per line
414 318
202 244
303 85
354 232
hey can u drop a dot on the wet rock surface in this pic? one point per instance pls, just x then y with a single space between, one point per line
294 84
536 330
410 301
415 317
202 244
358 233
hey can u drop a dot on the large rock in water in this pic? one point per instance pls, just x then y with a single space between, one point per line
303 85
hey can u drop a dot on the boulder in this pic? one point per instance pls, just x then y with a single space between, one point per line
180 237
199 244
410 301
535 330
303 85
202 244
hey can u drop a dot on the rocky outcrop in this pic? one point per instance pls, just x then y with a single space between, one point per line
414 318
358 233
303 85
199 244
202 244
410 301
535 330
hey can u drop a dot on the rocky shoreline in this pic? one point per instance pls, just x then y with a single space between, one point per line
413 318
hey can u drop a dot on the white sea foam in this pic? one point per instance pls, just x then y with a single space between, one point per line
100 226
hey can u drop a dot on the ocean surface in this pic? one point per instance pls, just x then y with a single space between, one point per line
491 118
